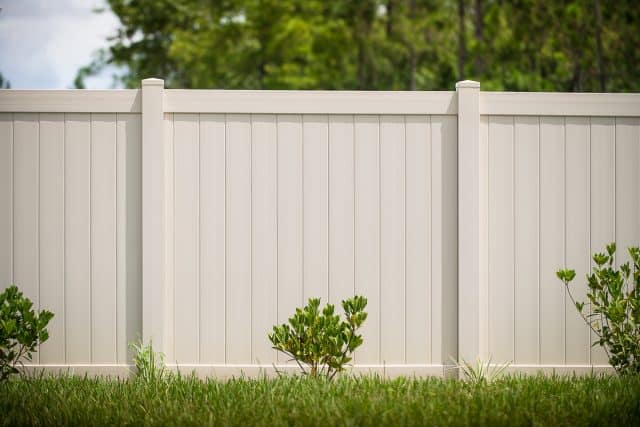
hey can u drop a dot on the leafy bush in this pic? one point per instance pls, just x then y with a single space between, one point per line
321 343
614 302
21 330
149 365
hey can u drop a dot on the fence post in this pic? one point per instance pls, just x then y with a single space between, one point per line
152 213
471 327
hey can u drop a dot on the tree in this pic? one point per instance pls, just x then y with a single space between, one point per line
4 84
533 45
539 45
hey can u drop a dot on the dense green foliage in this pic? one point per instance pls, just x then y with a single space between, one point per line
571 45
320 342
302 401
613 309
21 330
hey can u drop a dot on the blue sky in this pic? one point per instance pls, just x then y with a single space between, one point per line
44 42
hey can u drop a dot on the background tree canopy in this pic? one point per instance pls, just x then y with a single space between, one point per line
532 45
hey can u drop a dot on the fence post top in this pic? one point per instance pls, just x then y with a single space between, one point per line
152 82
468 84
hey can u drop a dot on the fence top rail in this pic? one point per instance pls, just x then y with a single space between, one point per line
321 102
70 101
560 104
309 102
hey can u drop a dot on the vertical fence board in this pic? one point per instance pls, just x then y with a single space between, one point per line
446 128
52 233
264 255
122 251
501 240
627 196
77 229
212 238
367 232
316 206
627 192
6 200
483 237
418 236
290 228
129 232
526 209
25 206
238 239
103 238
552 239
603 212
392 239
169 230
341 209
577 235
187 220
439 139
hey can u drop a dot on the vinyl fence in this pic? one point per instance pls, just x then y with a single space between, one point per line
199 219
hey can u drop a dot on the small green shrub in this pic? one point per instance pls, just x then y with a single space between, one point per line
614 303
321 343
149 364
21 330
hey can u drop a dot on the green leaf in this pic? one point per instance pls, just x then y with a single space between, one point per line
600 259
566 275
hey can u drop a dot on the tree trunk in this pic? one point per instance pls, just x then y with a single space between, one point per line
599 54
412 71
479 37
412 50
361 67
462 41
390 11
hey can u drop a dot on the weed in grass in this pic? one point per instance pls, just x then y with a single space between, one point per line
149 364
482 373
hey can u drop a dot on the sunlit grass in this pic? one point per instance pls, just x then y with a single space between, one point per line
301 401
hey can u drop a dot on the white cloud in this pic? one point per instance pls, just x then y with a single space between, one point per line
44 43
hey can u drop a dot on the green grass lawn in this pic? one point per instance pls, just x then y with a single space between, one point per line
300 401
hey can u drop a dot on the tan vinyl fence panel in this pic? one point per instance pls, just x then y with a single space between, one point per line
558 190
70 228
199 219
267 211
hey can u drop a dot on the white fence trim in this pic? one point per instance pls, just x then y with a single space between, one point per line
153 230
224 372
469 224
320 102
560 104
309 102
70 101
